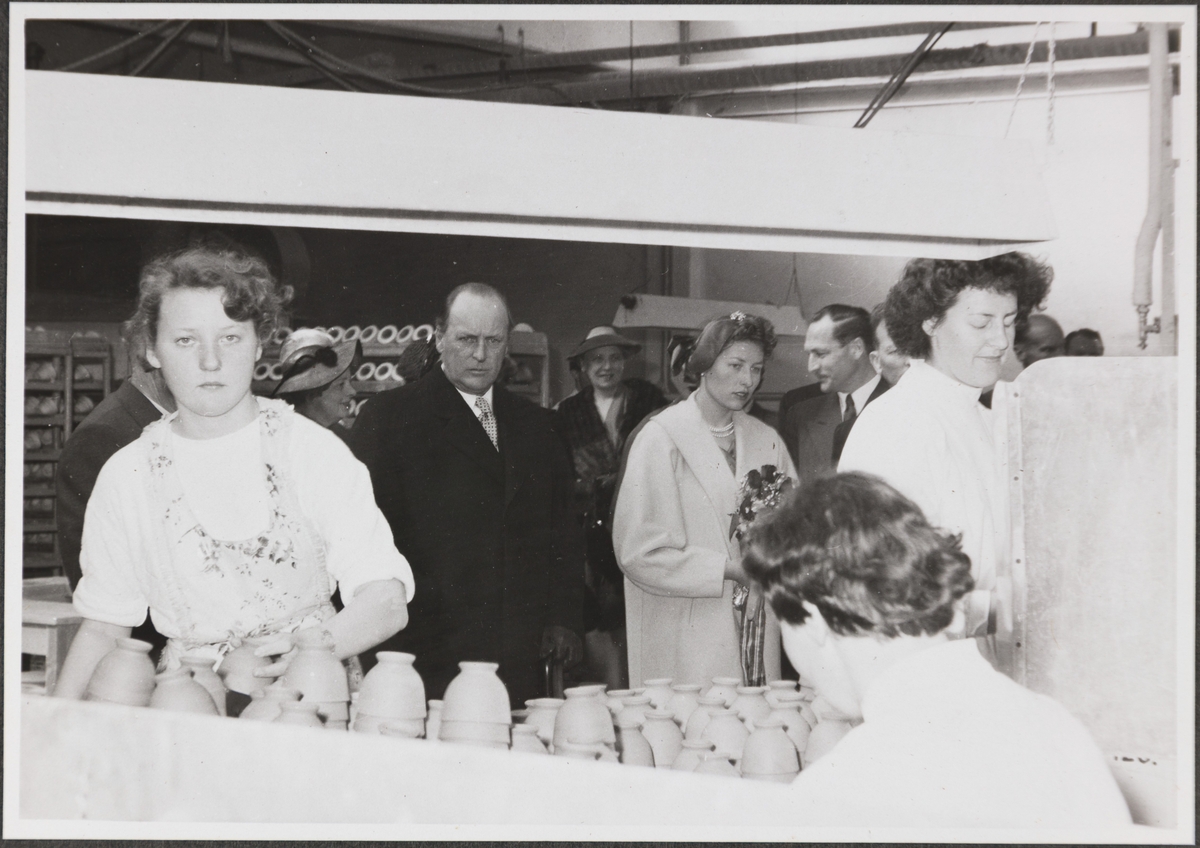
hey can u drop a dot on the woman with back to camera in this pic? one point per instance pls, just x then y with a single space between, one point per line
675 513
866 590
233 516
316 377
930 436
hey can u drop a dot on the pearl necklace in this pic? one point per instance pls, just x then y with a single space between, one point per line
722 432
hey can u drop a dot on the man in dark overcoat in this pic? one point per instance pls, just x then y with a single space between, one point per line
478 487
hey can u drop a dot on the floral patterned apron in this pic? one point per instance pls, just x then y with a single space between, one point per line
221 591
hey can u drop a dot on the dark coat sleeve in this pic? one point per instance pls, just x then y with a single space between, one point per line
78 467
363 437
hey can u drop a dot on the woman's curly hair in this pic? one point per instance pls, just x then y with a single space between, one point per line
250 292
862 554
722 332
928 287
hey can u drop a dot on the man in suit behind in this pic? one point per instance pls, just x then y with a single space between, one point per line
815 420
477 486
115 422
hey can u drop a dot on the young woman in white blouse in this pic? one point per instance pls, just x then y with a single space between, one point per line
233 516
930 436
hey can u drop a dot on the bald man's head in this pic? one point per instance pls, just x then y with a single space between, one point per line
1040 337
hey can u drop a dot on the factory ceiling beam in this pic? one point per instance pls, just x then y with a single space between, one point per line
580 58
327 159
209 41
694 79
402 32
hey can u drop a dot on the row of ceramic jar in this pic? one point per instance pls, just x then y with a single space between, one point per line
48 370
42 370
370 334
44 404
39 471
126 675
43 437
54 404
688 719
39 506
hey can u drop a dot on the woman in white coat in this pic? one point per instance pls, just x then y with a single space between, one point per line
674 516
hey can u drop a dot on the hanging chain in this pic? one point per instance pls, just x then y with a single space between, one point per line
1021 81
1050 93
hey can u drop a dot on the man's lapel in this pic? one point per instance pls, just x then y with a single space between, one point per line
514 448
462 429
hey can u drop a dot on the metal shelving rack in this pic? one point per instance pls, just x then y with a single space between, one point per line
40 528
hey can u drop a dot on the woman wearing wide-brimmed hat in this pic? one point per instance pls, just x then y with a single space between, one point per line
316 377
597 422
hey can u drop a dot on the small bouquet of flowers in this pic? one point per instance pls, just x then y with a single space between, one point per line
762 491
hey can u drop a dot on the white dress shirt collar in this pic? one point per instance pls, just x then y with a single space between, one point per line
469 399
861 395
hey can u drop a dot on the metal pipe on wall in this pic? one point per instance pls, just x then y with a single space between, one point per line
1169 321
1143 254
694 79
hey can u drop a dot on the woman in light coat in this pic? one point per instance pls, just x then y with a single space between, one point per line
675 513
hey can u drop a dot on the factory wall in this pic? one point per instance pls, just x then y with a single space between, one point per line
1096 177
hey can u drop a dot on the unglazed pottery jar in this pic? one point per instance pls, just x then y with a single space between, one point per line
573 751
392 693
393 688
719 763
774 687
615 698
787 710
334 714
700 716
769 753
409 728
690 754
125 675
636 706
177 692
202 673
685 697
300 713
525 738
724 688
664 736
750 704
315 670
583 720
237 667
659 691
485 734
266 705
727 732
542 712
476 694
632 746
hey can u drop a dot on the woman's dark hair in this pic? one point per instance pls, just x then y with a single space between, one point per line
928 287
722 332
862 554
249 290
